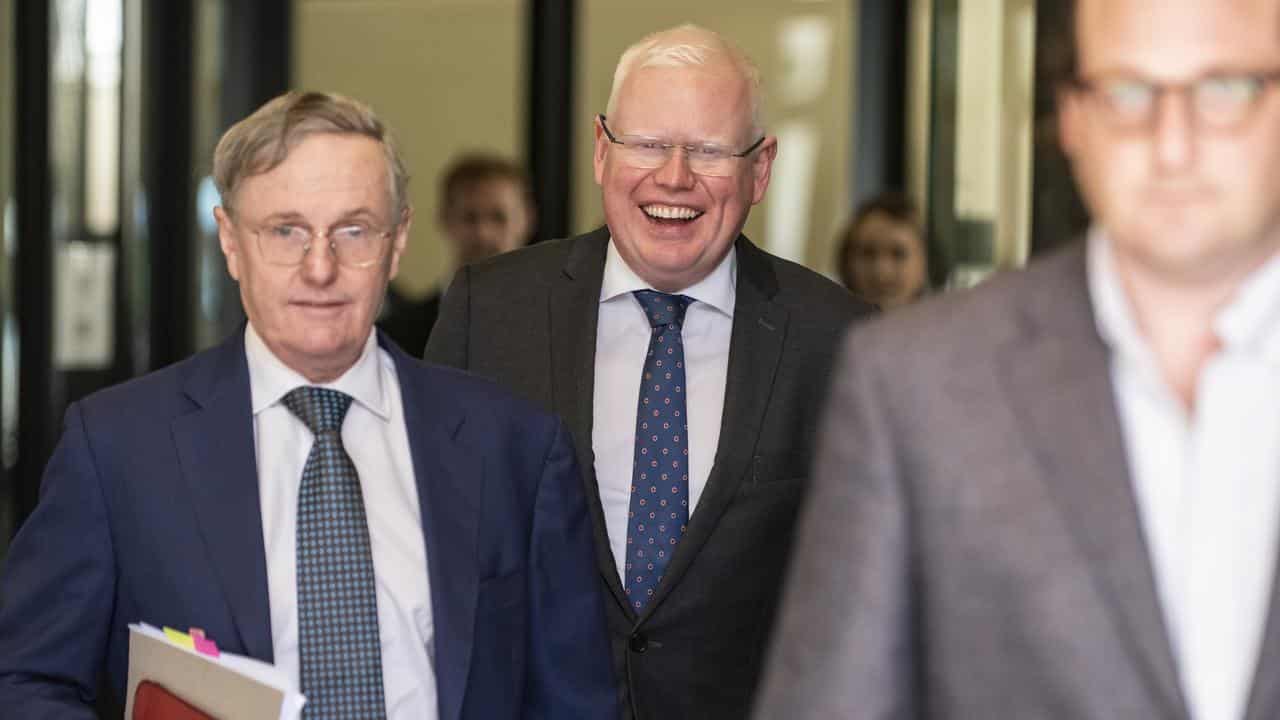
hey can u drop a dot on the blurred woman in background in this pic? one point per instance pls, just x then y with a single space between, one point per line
882 256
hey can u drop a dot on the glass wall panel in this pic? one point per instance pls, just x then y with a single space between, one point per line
980 154
804 50
135 223
217 302
84 116
446 75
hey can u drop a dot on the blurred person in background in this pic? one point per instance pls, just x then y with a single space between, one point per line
882 257
486 208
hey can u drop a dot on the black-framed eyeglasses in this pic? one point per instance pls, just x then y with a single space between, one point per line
648 153
1217 101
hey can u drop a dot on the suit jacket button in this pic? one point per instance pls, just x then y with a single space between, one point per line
639 643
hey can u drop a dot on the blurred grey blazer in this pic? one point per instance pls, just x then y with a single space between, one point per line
971 547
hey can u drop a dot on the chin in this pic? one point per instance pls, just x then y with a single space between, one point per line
678 257
325 343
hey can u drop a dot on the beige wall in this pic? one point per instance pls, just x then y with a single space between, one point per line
804 51
446 75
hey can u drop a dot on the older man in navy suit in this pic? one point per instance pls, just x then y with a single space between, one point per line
405 541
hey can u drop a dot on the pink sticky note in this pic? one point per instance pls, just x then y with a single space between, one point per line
204 645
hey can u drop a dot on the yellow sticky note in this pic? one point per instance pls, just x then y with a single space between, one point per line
179 638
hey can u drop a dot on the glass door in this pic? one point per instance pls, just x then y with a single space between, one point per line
980 145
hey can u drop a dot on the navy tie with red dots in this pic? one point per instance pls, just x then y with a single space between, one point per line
659 510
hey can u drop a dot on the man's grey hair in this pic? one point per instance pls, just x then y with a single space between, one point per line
262 141
689 45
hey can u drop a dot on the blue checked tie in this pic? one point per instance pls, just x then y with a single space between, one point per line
659 508
338 648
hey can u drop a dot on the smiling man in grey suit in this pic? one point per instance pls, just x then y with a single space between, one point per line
693 476
1058 496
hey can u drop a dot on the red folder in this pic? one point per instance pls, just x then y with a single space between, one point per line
153 702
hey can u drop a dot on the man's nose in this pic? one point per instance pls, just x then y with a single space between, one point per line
1173 132
320 264
675 172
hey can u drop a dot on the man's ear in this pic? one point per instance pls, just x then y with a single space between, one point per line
227 241
401 240
762 168
602 145
1069 119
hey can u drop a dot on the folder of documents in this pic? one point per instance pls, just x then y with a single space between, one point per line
177 667
153 702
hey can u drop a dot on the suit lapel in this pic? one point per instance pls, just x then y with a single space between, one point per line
1058 381
755 347
450 481
1264 699
573 308
215 447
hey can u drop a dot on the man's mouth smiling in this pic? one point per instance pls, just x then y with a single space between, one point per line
671 213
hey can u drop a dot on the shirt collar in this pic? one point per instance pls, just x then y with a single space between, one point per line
1112 313
716 289
270 379
1249 322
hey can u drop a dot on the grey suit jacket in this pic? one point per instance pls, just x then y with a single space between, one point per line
528 319
972 548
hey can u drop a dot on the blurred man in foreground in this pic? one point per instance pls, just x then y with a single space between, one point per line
1058 496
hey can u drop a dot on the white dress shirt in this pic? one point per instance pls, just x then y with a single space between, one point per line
374 435
1207 483
622 340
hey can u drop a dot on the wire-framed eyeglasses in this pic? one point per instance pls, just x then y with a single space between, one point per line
648 153
354 245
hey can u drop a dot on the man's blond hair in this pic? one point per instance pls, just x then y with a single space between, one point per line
689 45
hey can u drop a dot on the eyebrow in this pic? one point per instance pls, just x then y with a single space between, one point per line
293 216
669 139
1127 71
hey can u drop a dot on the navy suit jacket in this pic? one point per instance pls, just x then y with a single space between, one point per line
149 511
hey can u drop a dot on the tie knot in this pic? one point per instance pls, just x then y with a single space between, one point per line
663 309
321 409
